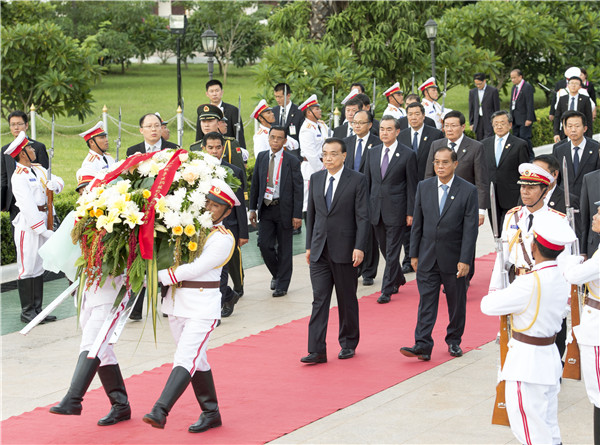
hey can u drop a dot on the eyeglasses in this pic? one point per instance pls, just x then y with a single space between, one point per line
452 126
152 127
500 124
17 124
360 122
438 163
331 155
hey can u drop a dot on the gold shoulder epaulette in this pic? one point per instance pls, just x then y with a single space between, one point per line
557 212
514 209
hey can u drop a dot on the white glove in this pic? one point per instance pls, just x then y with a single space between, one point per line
163 277
245 154
54 186
48 233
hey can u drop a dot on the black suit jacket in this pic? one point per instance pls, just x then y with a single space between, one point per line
590 193
583 105
589 160
524 110
232 115
490 103
430 134
471 166
350 141
295 116
343 228
291 187
238 216
404 122
506 174
141 148
7 199
449 238
392 197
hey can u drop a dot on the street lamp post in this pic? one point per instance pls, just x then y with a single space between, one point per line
209 43
431 31
177 25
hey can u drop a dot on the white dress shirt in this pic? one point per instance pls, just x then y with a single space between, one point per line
441 190
336 181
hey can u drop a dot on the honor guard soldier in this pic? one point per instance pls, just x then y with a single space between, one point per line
97 141
395 98
30 183
433 110
312 136
535 303
192 300
266 119
231 141
517 234
165 133
587 332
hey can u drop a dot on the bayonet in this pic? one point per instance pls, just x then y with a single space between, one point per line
412 83
238 125
330 130
118 141
48 309
282 112
374 96
445 87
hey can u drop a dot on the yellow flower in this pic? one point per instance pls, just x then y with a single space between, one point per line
92 213
146 193
127 196
189 230
161 206
177 230
98 213
192 246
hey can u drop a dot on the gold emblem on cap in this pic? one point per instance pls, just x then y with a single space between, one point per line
205 108
527 173
217 190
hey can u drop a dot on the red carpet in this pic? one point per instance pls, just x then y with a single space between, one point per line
264 391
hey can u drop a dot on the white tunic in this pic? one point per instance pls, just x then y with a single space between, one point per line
95 162
312 136
433 110
396 112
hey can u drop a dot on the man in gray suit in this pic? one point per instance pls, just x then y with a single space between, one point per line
590 193
442 246
337 226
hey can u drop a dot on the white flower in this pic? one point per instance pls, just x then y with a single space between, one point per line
133 217
171 219
205 220
123 186
197 198
186 218
183 157
175 200
203 187
144 167
107 221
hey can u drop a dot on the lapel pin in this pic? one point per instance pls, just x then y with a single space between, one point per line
464 150
370 145
425 138
507 145
590 151
452 197
552 203
397 155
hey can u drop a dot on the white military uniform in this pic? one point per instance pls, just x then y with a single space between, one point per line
532 373
96 162
433 110
194 313
396 112
261 141
588 330
312 137
29 189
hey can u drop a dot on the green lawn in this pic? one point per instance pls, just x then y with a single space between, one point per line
150 88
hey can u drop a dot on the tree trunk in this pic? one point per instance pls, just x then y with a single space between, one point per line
319 11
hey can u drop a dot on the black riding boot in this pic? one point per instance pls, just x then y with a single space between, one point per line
82 377
174 388
204 388
38 297
596 425
114 386
26 292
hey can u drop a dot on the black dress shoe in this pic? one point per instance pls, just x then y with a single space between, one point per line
227 308
384 298
400 284
346 353
279 293
314 357
455 351
240 292
273 284
415 352
368 281
407 268
135 317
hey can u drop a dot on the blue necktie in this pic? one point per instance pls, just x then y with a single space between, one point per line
416 142
575 160
358 156
385 162
572 106
498 151
444 196
329 193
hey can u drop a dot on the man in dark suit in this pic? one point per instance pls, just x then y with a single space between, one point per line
214 92
237 221
358 147
483 102
521 108
503 154
276 194
419 137
292 118
471 160
366 106
403 121
17 121
442 247
150 128
590 194
352 106
391 173
573 101
581 152
336 234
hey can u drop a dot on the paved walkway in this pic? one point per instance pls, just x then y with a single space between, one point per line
451 403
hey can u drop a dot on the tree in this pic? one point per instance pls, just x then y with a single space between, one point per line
27 12
113 46
42 66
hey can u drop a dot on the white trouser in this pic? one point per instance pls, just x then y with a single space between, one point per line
91 320
191 337
533 412
29 262
590 368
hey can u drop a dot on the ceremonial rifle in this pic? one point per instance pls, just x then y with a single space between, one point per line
50 193
445 87
412 83
48 309
238 125
282 111
374 96
330 131
572 368
118 141
500 416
